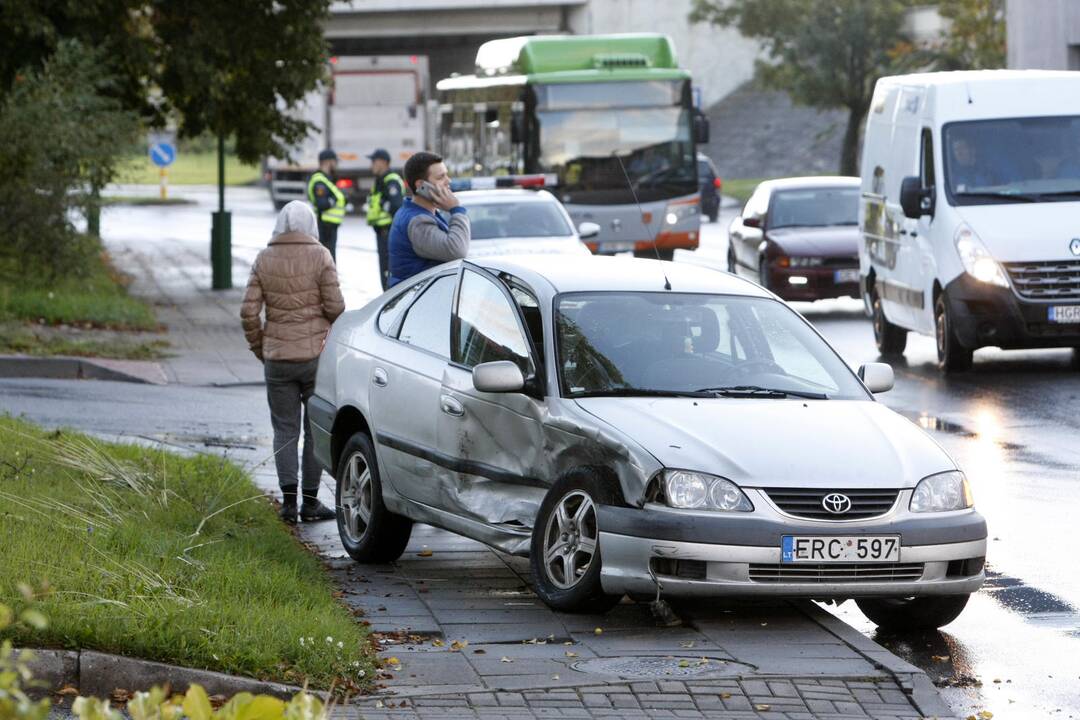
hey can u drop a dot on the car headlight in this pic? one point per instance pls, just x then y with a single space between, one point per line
942 492
676 213
691 490
976 258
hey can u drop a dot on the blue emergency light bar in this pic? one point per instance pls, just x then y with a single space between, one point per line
538 180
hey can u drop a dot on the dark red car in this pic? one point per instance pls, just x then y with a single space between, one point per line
799 237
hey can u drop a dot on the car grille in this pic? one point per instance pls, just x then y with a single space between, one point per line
805 503
1046 280
835 572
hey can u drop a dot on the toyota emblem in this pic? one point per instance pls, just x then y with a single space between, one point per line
1074 246
836 503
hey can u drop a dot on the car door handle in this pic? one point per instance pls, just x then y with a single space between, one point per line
450 406
378 377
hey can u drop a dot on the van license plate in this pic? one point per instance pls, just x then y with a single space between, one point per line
826 549
1064 313
846 276
614 247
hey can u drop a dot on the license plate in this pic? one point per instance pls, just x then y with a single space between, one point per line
1064 313
826 549
613 247
846 276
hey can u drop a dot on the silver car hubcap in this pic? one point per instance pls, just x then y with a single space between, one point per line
570 540
356 500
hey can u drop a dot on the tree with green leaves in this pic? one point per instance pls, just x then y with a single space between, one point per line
975 39
823 53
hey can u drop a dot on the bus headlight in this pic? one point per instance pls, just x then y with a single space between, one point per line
675 213
976 258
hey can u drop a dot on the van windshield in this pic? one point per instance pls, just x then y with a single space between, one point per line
1012 160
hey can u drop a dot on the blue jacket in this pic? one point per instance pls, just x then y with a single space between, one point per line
421 239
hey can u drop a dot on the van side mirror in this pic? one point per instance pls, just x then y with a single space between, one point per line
915 200
701 129
878 377
588 230
500 376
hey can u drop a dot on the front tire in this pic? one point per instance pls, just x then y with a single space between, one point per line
916 613
732 265
369 532
952 356
565 552
891 339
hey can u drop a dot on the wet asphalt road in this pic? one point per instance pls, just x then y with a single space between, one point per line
1012 424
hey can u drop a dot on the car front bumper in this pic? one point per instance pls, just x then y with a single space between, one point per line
689 554
985 314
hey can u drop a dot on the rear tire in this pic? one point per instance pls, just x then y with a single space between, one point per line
369 532
917 613
952 356
891 339
565 552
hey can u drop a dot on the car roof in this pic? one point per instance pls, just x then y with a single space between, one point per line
811 181
607 274
504 195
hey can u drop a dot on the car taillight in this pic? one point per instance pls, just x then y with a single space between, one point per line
345 183
718 183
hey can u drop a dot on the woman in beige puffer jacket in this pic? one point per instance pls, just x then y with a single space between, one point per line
295 279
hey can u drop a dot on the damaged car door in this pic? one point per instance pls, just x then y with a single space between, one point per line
494 440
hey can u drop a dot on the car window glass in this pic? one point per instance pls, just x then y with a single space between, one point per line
392 309
788 350
757 204
521 219
530 312
927 165
487 326
427 323
814 207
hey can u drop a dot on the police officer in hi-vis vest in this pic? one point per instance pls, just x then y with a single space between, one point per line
385 200
327 200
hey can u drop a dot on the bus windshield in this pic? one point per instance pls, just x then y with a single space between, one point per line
586 129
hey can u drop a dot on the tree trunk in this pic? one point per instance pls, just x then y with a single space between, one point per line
849 154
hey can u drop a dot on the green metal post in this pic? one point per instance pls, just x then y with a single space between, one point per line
221 230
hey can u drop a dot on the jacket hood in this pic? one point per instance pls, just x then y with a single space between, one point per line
779 443
296 217
833 241
293 238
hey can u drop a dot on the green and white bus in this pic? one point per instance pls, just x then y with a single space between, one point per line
600 114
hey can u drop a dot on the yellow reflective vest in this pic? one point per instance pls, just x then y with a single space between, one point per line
377 215
336 212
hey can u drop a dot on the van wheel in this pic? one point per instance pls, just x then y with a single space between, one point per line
891 339
952 356
915 613
369 532
565 552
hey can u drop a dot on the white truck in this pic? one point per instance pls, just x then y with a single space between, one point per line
372 101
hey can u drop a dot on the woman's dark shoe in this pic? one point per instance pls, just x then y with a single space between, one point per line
288 506
313 511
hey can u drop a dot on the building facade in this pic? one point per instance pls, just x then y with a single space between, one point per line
1043 34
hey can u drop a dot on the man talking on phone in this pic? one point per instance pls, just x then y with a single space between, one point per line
420 237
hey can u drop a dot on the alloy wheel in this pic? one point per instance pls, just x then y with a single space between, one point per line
571 539
356 497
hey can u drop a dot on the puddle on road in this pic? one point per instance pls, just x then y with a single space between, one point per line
1014 594
651 667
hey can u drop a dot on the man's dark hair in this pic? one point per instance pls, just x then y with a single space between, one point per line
416 167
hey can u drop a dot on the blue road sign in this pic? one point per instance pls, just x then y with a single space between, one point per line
162 153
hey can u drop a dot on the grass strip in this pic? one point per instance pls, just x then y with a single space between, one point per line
146 553
741 188
190 168
18 339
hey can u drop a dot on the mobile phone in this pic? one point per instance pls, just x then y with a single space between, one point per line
424 190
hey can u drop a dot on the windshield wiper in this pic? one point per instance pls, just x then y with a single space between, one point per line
641 392
1022 197
1059 193
764 392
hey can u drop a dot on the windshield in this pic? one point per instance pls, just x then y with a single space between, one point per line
583 127
814 207
513 220
626 342
1012 160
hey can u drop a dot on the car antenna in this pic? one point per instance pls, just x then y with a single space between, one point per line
641 215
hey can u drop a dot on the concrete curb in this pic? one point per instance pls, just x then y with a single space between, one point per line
98 674
78 368
915 683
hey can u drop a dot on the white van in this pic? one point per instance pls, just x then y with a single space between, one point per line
970 211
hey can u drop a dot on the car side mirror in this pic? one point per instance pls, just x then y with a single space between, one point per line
754 221
915 200
878 377
701 129
588 230
500 376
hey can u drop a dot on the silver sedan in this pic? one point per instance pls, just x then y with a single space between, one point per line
638 427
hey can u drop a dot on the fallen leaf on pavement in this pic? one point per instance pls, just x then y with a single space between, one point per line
598 631
438 643
571 654
939 658
688 644
458 644
684 663
68 690
424 553
505 659
393 661
554 677
762 708
725 696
